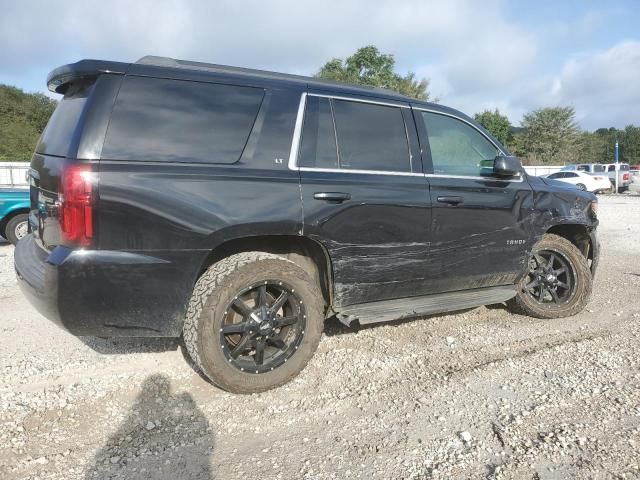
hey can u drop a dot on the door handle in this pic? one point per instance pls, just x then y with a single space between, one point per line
337 197
450 200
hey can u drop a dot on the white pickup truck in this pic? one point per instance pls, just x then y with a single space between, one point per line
623 172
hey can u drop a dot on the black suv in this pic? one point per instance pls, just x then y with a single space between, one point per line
240 209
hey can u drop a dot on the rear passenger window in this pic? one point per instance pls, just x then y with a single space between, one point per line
318 147
457 148
57 138
371 137
180 121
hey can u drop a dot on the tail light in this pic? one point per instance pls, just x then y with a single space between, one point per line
625 176
76 209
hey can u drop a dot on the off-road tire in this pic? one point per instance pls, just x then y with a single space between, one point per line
10 229
523 304
216 288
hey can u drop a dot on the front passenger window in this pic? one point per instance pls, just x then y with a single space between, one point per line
457 148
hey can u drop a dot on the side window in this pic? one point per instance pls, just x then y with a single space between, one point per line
570 175
598 168
612 168
371 137
583 168
457 148
165 120
318 144
556 175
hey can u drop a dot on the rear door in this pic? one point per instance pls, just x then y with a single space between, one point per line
480 226
365 198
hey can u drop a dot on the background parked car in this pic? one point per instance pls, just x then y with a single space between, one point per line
587 168
582 180
624 175
14 209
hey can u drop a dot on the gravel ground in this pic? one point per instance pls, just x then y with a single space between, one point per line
480 393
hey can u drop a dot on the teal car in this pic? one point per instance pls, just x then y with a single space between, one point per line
14 213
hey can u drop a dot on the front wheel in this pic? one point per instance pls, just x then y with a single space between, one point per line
253 322
17 228
581 186
558 282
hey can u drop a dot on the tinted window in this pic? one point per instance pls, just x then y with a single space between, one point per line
570 175
58 136
598 168
583 168
612 168
557 175
371 137
318 147
180 121
457 148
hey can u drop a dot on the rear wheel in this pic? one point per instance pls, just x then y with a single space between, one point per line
17 227
558 283
254 321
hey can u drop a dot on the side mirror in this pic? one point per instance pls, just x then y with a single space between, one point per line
507 166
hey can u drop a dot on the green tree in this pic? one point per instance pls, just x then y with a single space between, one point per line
551 136
367 66
497 124
23 117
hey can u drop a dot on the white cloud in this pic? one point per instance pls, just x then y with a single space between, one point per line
603 87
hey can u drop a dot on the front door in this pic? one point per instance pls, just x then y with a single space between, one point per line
480 225
365 198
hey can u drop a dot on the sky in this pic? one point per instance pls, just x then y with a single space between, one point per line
515 56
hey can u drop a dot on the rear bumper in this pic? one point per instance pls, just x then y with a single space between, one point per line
107 293
37 279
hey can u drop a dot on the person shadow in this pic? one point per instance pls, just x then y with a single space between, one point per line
164 436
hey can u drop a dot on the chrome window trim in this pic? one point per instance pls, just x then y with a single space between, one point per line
297 134
456 117
469 177
366 172
462 120
361 100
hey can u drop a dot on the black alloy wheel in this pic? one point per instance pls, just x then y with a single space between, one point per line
557 283
262 327
254 321
551 278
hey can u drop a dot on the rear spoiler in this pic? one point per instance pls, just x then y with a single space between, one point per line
59 79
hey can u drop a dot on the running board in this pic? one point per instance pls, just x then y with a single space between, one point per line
386 310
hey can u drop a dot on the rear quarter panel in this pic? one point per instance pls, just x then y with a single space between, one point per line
170 216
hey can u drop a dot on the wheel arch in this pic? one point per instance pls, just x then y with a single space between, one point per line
576 233
302 250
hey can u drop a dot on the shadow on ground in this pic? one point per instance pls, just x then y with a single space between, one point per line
121 345
164 436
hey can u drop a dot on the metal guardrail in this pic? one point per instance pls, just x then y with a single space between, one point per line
14 174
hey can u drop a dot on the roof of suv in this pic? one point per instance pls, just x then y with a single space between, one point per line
311 81
153 66
57 78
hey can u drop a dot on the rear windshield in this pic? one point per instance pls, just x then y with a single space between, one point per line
164 120
60 136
